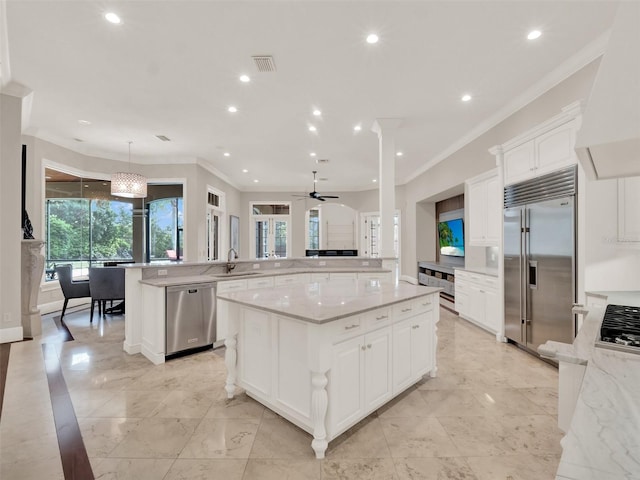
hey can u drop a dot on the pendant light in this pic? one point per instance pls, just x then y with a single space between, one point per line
127 184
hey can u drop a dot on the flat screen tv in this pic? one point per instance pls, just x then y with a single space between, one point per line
451 236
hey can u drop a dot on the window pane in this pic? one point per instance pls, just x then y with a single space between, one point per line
67 224
111 231
270 209
281 239
314 229
162 229
262 238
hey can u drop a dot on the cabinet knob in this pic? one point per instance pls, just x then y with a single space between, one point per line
369 345
349 327
363 348
381 317
406 310
415 326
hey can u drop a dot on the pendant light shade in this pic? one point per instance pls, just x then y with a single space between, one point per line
128 185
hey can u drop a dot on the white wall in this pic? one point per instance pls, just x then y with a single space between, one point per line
10 217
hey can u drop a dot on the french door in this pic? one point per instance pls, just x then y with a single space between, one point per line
271 230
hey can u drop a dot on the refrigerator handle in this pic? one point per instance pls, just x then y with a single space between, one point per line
533 274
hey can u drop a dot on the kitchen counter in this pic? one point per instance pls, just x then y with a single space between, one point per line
602 440
325 302
493 272
206 278
326 355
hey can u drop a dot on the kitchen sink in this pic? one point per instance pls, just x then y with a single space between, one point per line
236 274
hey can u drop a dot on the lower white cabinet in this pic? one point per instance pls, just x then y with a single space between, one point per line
477 300
410 357
360 376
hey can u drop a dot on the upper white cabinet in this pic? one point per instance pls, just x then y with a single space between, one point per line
549 151
484 209
629 209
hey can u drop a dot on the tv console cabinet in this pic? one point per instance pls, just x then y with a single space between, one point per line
437 275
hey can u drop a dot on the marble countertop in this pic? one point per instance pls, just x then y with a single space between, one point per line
482 270
322 302
207 278
603 440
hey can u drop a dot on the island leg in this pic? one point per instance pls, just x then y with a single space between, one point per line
230 357
319 403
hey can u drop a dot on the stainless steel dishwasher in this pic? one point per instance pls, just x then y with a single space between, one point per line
190 317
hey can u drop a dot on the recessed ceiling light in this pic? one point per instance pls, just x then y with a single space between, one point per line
84 122
357 128
86 186
47 177
533 34
466 97
256 181
317 112
244 170
245 78
232 109
112 18
226 154
312 128
312 154
399 154
375 180
372 38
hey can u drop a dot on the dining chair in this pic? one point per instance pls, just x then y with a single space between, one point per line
70 288
106 283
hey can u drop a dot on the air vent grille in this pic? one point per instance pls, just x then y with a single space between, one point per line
264 63
322 160
163 138
213 199
554 185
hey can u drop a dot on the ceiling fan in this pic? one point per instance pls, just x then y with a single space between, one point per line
315 195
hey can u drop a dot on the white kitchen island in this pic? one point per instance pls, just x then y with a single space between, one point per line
326 355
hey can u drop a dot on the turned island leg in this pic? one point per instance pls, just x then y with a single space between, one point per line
319 403
230 357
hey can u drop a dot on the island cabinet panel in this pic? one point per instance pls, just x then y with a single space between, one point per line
292 373
347 384
377 368
256 347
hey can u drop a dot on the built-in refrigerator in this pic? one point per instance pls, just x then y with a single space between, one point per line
540 259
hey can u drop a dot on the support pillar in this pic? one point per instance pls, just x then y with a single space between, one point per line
386 129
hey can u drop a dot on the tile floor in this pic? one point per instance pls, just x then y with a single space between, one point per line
489 415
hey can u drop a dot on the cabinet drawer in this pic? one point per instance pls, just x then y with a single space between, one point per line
260 282
380 276
424 304
345 328
377 318
344 275
320 277
232 286
403 310
490 282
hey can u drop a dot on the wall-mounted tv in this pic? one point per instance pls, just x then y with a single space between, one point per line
451 236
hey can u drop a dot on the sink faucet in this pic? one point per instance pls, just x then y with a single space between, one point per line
230 265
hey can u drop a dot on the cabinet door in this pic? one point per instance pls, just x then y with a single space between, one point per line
377 367
255 350
554 149
476 307
628 202
421 345
401 355
347 382
519 163
492 310
462 298
477 212
493 214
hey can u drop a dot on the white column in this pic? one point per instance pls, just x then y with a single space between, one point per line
10 216
386 128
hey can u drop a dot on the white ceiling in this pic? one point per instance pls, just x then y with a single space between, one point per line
172 67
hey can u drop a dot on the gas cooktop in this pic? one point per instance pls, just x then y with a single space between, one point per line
620 329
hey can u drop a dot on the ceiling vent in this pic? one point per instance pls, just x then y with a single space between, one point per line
264 63
163 138
322 160
323 179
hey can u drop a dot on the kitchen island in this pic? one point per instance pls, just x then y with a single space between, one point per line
326 355
599 401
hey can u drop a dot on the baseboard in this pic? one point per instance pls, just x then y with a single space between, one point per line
11 334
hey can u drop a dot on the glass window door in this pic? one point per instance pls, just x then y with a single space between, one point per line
271 230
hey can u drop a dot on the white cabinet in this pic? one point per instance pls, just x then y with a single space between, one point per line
349 275
549 151
224 309
360 375
629 209
411 356
477 300
292 279
380 276
484 209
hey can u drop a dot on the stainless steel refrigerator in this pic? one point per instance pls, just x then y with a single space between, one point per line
540 258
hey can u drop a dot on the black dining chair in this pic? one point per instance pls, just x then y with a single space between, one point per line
106 283
70 288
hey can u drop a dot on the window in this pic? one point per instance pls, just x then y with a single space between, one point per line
165 239
314 229
271 229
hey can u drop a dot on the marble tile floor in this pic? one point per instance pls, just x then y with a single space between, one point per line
489 415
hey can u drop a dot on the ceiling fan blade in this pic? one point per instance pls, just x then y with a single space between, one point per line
320 198
328 196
